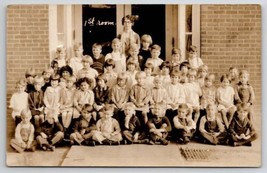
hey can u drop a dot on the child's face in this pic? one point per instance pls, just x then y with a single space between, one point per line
192 54
128 111
70 84
121 82
157 111
84 86
30 79
101 83
25 119
155 53
54 83
225 83
107 114
96 51
145 44
182 113
37 86
243 79
158 84
211 111
140 80
191 78
86 64
109 68
61 55
65 74
184 69
175 57
233 73
116 47
20 88
242 114
174 79
62 83
208 83
46 75
134 52
86 114
78 52
148 71
131 67
203 73
165 70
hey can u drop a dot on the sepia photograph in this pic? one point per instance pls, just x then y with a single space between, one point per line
134 85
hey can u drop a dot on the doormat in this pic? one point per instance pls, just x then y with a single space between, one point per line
192 154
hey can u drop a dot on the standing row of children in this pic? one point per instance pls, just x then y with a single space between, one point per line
140 98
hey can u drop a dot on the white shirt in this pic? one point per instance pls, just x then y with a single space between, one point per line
18 102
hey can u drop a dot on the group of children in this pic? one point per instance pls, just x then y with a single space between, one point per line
138 99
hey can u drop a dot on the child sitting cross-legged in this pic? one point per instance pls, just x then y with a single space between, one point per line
242 131
84 126
184 126
50 133
24 134
159 125
131 130
211 127
108 130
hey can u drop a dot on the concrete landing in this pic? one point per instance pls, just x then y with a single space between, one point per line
162 156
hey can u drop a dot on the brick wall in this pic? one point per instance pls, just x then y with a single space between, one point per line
27 45
231 36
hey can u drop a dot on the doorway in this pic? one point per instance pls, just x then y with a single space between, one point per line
99 26
151 21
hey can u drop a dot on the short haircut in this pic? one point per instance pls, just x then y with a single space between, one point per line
134 46
225 76
116 40
87 107
140 73
175 73
176 51
89 81
21 82
146 38
183 106
77 45
39 80
55 77
166 64
244 72
122 76
184 64
66 68
71 78
149 65
26 113
203 68
192 72
210 77
108 107
192 48
101 77
97 45
30 72
87 58
155 46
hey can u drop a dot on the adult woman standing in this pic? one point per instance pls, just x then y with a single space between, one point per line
128 36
